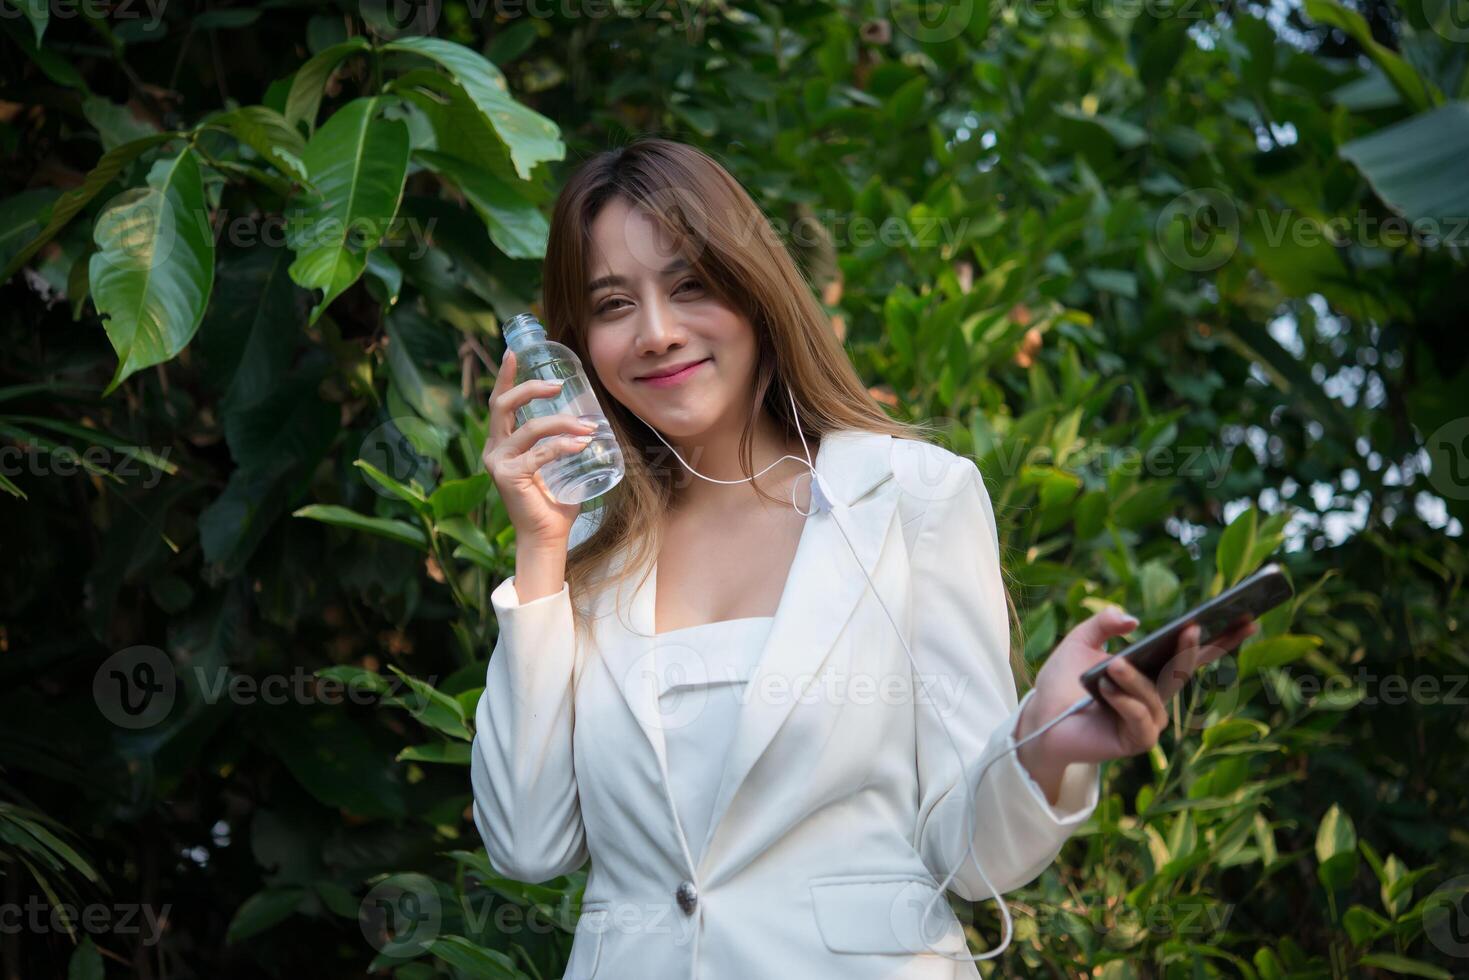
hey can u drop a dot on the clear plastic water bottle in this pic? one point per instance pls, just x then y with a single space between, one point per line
574 477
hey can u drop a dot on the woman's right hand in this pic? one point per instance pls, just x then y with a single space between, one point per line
513 459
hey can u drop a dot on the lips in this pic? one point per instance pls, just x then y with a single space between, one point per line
678 374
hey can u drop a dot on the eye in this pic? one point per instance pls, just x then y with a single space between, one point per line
607 307
690 282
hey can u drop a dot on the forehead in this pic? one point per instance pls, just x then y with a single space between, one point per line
628 241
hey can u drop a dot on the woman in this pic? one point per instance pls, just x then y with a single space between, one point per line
764 785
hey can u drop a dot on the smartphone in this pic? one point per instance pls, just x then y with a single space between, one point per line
1261 591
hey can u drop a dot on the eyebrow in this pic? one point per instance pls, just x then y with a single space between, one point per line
677 265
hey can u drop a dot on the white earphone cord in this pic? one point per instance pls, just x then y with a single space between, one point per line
820 495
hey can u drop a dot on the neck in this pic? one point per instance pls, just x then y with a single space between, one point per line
716 454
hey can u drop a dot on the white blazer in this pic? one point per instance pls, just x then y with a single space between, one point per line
841 806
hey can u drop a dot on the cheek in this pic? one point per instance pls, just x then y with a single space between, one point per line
603 356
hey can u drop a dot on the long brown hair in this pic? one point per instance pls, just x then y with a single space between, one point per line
730 244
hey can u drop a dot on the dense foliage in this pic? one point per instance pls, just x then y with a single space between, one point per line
1186 278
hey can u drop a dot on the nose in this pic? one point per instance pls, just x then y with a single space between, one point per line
658 327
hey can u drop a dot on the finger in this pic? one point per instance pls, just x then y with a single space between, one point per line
523 439
1140 686
1110 622
1220 645
503 405
496 427
1135 730
531 461
1177 671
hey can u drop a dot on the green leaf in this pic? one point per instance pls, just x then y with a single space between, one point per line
1404 78
86 962
356 678
261 911
432 707
1275 651
400 531
154 267
57 68
439 403
304 99
38 14
1126 135
1145 505
530 137
1234 730
252 327
454 498
357 165
336 759
439 753
1118 282
473 542
21 216
1336 849
1405 967
269 134
409 494
516 225
1159 587
67 206
1236 545
1417 166
115 124
472 960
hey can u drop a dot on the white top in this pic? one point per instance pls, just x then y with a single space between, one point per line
702 676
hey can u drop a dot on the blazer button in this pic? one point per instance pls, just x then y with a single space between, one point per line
688 897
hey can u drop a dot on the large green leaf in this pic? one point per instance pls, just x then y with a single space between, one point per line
516 225
1418 166
253 325
304 99
357 164
115 123
21 216
67 206
154 265
1404 78
86 962
261 911
400 531
530 136
269 134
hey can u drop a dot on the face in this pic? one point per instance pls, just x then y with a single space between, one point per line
651 313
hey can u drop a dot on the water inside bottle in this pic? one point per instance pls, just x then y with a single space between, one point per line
576 477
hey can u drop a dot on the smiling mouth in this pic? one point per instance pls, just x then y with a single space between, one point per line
675 377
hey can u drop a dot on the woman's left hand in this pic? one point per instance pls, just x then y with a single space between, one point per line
1133 715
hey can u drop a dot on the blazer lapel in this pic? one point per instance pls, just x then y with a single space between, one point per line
821 592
